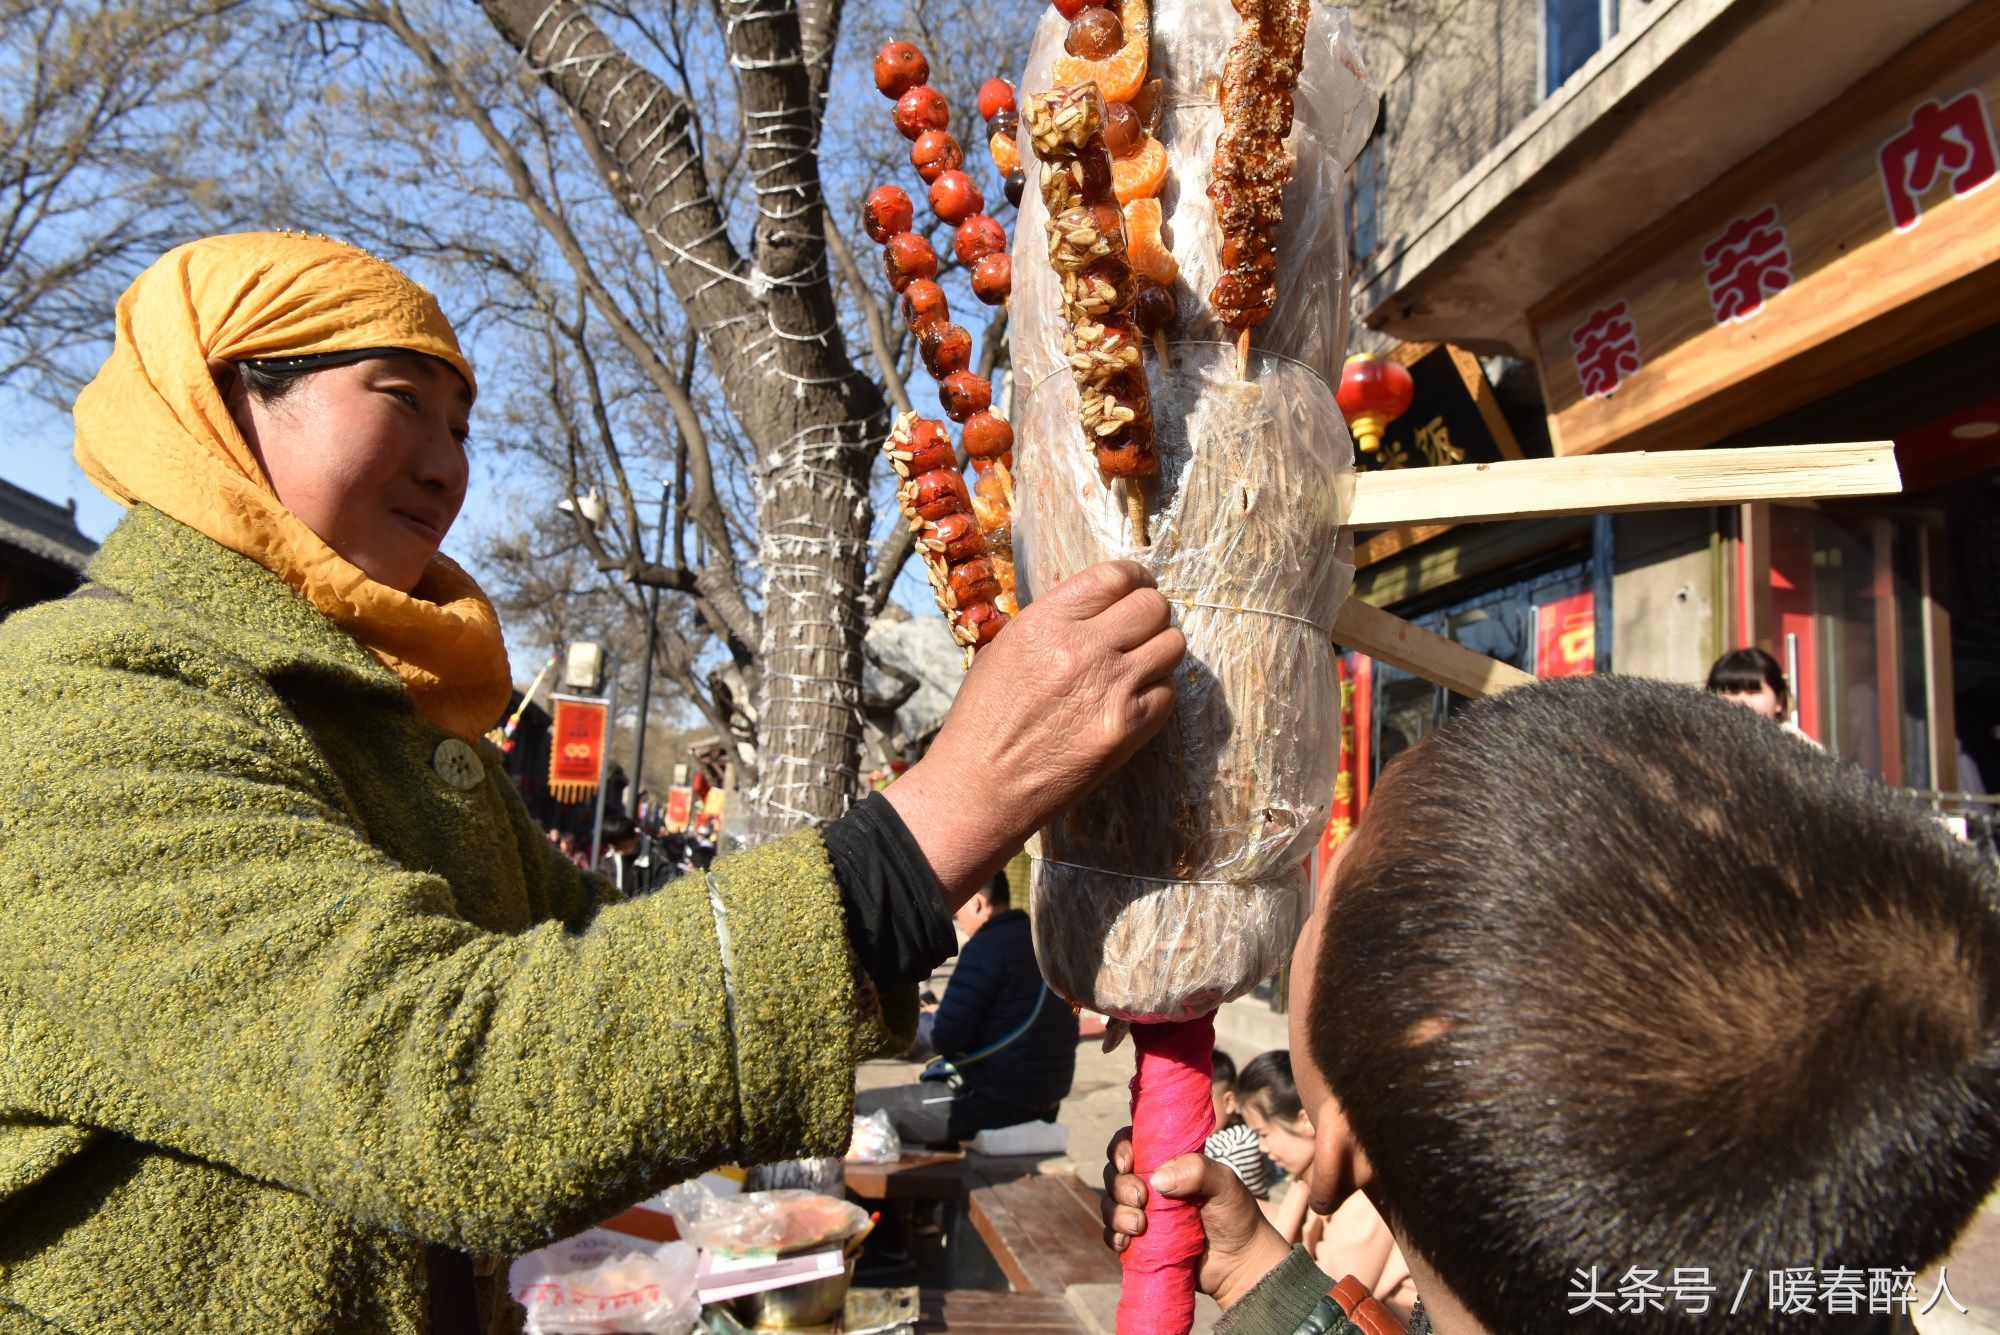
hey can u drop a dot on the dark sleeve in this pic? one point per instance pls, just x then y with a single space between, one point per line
895 910
1286 1302
968 999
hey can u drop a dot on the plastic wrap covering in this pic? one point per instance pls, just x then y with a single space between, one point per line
1180 883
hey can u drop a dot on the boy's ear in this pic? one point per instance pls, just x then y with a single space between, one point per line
1339 1167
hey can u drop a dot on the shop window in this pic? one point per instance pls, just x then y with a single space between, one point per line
1364 193
1504 623
1572 32
1849 594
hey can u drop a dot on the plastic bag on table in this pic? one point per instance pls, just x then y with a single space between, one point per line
1179 883
875 1139
760 1222
598 1283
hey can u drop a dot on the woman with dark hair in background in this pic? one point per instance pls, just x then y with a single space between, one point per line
1752 678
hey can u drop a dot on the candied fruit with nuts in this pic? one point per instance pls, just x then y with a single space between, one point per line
941 492
930 448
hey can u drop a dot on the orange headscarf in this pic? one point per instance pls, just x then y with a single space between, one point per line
153 429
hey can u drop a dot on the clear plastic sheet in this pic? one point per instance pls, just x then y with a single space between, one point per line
601 1283
1180 883
758 1222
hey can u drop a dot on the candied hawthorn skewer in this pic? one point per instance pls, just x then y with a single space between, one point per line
980 243
934 500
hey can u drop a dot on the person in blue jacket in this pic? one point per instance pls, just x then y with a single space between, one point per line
1007 1043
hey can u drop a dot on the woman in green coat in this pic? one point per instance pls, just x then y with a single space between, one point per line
300 1011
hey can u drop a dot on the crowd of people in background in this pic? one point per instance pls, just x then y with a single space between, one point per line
636 857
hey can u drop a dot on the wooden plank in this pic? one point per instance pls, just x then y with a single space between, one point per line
1385 636
1045 1232
973 1312
997 1229
1543 488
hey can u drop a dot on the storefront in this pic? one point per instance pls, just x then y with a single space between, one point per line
1840 283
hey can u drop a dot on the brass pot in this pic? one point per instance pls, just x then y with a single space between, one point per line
817 1302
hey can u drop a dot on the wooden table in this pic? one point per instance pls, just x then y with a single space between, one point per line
919 1175
977 1312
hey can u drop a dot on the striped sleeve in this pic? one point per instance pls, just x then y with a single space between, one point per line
1236 1146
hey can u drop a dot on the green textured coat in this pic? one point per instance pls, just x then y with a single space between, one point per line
279 1004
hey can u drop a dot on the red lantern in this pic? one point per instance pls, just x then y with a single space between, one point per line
1373 393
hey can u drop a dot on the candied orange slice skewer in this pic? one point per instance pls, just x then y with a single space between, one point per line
1140 175
1120 75
1006 154
1144 250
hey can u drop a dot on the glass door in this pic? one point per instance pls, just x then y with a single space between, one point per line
1848 593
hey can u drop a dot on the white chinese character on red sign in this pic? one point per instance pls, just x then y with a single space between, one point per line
1953 141
1750 261
1607 350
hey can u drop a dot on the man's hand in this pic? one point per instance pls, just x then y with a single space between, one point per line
1242 1245
1064 695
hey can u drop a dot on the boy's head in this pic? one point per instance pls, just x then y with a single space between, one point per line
1615 975
1222 1087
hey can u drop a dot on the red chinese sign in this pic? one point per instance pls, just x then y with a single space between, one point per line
1950 142
680 808
1607 350
576 746
1340 820
1875 213
1750 261
1566 636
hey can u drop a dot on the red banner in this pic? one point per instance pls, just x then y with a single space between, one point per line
576 747
1566 636
680 808
1340 821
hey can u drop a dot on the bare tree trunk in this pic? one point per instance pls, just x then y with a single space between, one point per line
768 324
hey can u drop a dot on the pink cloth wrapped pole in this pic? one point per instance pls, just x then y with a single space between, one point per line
1172 1114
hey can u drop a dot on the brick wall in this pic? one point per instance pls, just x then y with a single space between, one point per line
1456 76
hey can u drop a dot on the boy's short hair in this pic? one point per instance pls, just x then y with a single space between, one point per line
998 893
1221 1069
1619 975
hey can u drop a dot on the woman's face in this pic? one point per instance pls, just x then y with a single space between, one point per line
370 456
1288 1142
1763 701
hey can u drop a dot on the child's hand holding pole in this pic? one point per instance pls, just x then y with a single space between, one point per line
1242 1245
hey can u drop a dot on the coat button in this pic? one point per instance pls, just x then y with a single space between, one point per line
458 764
